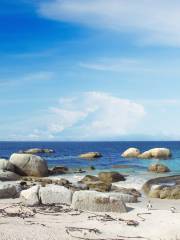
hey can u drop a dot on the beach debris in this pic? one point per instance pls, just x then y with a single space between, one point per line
92 233
142 218
173 209
17 210
149 206
107 218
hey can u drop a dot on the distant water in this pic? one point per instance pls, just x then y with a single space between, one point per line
66 154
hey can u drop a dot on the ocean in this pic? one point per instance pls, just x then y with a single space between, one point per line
66 154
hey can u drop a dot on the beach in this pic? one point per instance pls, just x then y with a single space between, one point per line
159 223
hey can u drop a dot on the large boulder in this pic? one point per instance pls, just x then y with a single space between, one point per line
30 197
38 150
131 153
8 176
111 177
29 165
53 194
158 168
6 165
98 202
163 187
90 155
8 190
158 153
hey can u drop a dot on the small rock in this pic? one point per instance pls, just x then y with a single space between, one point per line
53 194
111 177
91 155
89 178
8 176
8 190
158 168
58 170
37 150
30 196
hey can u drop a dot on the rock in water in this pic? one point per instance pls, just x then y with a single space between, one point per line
29 165
53 194
158 153
8 190
98 202
91 155
111 177
30 197
8 176
58 170
131 153
38 150
6 165
158 168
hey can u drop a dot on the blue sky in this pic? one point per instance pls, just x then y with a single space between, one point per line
89 70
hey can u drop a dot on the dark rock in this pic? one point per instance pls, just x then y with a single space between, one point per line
58 170
111 177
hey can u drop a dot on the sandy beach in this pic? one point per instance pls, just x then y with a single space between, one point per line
158 223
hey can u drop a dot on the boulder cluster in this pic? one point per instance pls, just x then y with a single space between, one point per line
157 153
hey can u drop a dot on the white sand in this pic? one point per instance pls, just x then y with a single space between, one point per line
160 224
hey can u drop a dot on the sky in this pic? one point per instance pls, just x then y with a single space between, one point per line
84 70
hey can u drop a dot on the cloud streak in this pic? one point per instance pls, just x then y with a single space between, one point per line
154 22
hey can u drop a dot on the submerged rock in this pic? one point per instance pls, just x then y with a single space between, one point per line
8 176
90 155
131 153
29 165
53 194
111 177
158 153
98 202
30 197
158 168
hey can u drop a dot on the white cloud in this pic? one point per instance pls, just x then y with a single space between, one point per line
95 115
154 21
117 65
28 78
